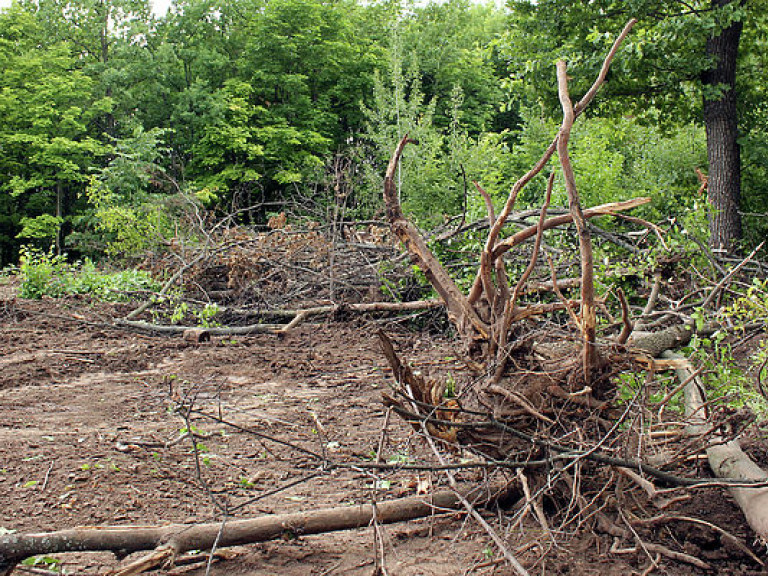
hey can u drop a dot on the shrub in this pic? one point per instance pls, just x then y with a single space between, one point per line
47 274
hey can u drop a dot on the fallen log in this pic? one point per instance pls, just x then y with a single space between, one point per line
295 316
168 541
215 331
726 459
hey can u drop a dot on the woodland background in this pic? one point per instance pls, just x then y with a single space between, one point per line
114 121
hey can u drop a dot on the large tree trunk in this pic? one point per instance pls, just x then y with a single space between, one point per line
720 119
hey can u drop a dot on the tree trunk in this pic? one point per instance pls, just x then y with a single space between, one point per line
720 120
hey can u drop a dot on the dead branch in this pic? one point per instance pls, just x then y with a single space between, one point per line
535 255
588 314
726 458
490 250
463 315
609 209
727 278
626 321
178 538
295 318
214 331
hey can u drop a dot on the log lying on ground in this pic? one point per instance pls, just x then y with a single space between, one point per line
726 459
167 541
295 316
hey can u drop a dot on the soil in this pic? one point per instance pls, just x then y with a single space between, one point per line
90 434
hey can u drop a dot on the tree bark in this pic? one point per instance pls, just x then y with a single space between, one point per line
721 122
726 458
180 538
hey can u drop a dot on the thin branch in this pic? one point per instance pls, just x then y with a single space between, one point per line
588 314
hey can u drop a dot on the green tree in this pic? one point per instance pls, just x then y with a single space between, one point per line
679 63
94 30
453 44
46 106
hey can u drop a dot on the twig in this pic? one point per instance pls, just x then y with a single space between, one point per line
727 278
626 322
535 504
47 475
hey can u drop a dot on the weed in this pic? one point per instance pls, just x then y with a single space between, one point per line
47 274
46 562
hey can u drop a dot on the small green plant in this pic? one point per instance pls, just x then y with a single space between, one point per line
45 562
206 315
450 387
47 274
202 317
179 312
246 483
399 458
42 274
723 377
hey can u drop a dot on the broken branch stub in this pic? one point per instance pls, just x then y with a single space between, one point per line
459 310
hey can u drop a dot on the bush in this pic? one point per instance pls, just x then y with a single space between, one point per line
46 274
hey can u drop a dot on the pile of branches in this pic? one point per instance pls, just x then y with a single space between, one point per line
272 281
542 408
544 398
286 265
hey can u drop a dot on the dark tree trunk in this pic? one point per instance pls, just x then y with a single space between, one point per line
720 120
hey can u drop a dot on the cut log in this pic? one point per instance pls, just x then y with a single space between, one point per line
183 537
726 459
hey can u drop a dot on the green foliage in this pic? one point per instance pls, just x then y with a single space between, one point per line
202 317
724 378
616 159
46 106
48 563
46 274
751 306
111 119
132 217
44 228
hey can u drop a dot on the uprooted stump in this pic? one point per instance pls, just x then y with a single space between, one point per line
527 373
543 397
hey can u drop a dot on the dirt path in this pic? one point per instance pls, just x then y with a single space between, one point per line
89 435
86 419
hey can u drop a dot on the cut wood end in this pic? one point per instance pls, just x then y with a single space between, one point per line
196 335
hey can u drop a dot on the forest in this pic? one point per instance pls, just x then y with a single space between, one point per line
113 116
279 273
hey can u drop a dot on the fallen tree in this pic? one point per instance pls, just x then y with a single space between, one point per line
169 541
539 383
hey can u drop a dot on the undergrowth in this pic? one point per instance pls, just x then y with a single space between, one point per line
46 274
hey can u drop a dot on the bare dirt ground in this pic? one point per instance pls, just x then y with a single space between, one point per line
89 436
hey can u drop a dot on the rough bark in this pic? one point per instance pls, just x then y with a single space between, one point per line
720 120
183 537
